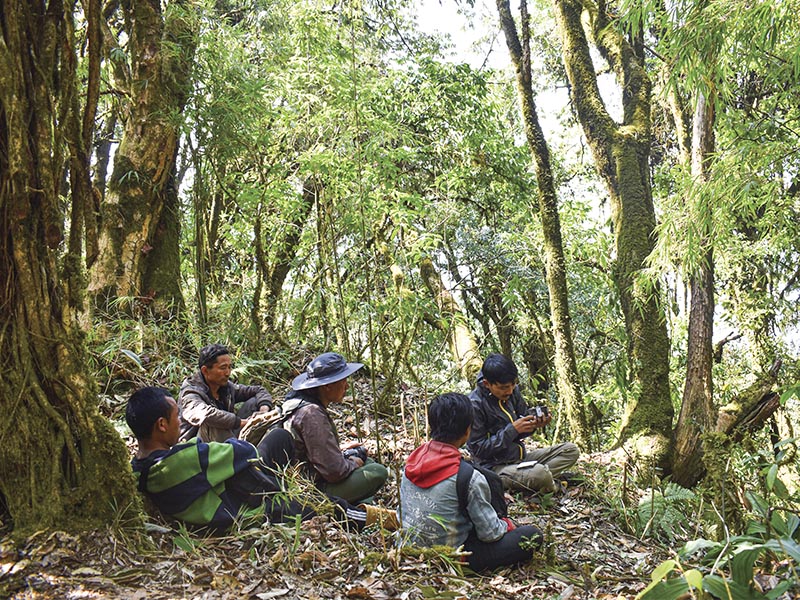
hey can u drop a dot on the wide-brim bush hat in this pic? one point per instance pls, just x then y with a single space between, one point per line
324 369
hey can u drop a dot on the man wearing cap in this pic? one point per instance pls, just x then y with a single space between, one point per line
348 474
208 400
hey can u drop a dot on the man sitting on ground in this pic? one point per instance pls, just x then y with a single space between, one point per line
208 400
430 507
214 485
344 472
502 423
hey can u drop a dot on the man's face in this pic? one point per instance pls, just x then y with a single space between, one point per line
501 391
334 392
217 375
173 424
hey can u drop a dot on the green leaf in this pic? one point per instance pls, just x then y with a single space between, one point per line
694 546
785 546
663 569
771 475
133 356
743 561
671 589
184 543
694 578
728 590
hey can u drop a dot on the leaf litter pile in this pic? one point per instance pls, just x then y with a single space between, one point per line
586 553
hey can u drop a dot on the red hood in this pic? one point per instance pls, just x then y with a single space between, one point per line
431 463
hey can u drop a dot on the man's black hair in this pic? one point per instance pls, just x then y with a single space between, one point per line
449 417
209 354
499 369
146 406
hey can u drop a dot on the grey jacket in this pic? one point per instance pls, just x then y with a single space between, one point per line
431 516
216 418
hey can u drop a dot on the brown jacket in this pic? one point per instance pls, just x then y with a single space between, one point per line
214 420
317 442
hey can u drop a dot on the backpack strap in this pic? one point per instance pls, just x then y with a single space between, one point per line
497 499
464 476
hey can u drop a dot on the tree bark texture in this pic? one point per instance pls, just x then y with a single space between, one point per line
161 47
460 338
566 368
621 155
61 464
698 413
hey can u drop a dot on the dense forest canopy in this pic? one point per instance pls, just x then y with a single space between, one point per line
295 177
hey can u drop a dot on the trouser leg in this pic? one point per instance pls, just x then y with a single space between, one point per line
558 458
536 478
283 510
276 449
504 552
361 483
539 477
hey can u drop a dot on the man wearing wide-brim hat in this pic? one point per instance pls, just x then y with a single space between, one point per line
347 473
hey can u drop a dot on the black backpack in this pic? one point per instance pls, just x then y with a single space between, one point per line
497 495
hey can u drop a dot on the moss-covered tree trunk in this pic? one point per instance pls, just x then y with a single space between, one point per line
621 152
161 47
61 464
555 268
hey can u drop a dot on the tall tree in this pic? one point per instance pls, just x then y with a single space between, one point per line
555 267
161 44
621 152
698 414
61 464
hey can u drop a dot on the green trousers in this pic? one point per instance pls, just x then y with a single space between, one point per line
360 484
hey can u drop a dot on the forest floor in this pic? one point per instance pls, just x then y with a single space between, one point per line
587 554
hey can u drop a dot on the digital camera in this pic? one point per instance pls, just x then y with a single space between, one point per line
540 411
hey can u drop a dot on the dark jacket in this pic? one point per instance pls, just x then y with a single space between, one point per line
317 441
493 440
198 407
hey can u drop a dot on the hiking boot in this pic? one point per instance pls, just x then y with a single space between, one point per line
385 517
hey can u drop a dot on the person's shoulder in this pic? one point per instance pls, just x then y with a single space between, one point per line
193 383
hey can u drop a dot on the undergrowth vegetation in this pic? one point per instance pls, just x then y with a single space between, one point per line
735 536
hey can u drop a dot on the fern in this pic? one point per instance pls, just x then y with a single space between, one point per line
664 512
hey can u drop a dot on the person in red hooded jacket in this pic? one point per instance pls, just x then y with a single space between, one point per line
429 505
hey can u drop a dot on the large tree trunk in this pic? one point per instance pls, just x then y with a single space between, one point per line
555 268
698 414
61 464
161 49
161 279
621 156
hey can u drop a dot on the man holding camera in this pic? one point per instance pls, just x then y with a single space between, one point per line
502 421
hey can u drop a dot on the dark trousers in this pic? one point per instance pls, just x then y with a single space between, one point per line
504 552
276 450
